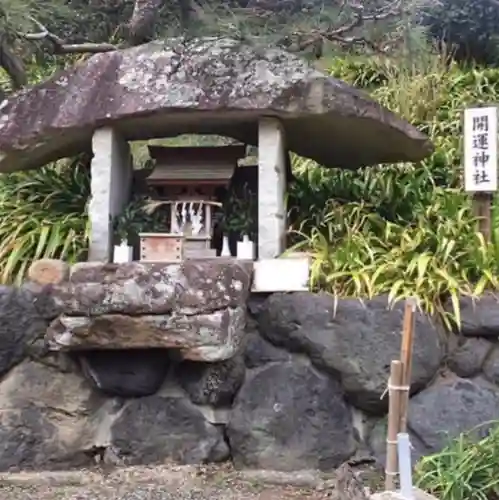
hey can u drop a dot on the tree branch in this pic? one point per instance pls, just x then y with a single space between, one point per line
61 47
312 38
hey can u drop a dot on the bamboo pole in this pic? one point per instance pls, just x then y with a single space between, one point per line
406 359
394 384
482 206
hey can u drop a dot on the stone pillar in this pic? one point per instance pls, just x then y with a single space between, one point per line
271 188
112 171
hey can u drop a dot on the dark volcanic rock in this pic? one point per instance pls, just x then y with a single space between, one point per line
468 359
377 443
288 416
45 418
451 407
212 383
479 317
44 301
259 352
357 343
143 87
27 439
491 366
441 413
128 373
22 323
155 429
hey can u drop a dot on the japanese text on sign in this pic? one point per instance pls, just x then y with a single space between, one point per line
480 149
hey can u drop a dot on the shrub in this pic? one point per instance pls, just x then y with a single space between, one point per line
467 469
404 230
470 27
43 215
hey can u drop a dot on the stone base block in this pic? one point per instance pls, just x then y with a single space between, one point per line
204 337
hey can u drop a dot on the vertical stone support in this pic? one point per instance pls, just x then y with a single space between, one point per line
271 188
112 171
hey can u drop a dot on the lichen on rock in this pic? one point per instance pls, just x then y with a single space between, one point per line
197 308
206 86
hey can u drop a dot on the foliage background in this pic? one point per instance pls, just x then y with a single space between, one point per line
406 230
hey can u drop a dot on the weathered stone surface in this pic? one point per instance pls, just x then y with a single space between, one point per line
42 300
111 174
377 443
357 343
417 494
256 302
61 361
213 384
272 209
145 88
259 352
288 416
21 324
45 418
126 373
480 317
155 429
204 337
450 407
347 485
192 287
468 359
48 271
491 365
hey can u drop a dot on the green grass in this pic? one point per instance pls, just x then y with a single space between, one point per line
467 469
404 230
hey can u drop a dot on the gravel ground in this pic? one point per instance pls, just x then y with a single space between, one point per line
161 483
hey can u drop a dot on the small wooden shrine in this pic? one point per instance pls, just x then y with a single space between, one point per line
188 180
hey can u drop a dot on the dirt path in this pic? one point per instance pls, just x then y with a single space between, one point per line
162 483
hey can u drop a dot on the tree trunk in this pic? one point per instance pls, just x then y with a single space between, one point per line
142 24
12 64
186 13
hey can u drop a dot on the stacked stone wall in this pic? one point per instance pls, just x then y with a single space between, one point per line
292 381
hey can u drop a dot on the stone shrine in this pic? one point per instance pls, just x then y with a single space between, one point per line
186 360
265 98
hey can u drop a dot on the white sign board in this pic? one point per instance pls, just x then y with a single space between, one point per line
480 149
285 274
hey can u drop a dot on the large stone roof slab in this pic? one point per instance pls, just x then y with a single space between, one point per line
205 86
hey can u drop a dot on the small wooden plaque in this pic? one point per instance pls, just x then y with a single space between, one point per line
161 247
